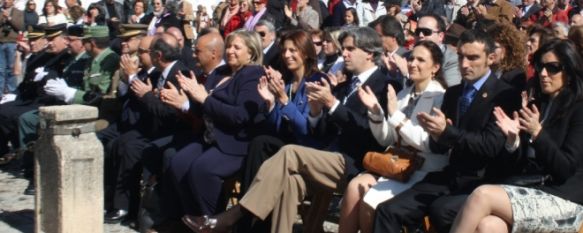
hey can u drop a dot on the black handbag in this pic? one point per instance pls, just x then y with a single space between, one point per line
528 180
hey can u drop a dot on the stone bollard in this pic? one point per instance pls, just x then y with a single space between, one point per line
68 171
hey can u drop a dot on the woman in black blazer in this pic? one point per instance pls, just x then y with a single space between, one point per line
551 147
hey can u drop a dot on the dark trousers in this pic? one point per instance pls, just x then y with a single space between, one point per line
9 113
261 148
199 171
126 153
440 195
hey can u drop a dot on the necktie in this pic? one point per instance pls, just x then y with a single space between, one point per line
354 83
161 81
466 99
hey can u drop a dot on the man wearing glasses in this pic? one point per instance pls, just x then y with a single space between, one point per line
431 27
271 50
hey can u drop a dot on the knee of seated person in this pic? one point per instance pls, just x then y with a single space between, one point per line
480 195
491 224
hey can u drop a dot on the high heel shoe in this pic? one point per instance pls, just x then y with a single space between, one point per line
202 224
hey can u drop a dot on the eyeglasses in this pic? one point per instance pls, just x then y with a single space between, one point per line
143 50
262 34
257 2
552 68
425 31
318 43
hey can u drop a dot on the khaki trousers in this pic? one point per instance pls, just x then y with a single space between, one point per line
280 186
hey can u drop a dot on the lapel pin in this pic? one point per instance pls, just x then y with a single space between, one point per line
485 95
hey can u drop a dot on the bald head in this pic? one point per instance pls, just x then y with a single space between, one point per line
177 34
209 51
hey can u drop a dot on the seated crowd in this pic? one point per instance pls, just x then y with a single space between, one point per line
286 98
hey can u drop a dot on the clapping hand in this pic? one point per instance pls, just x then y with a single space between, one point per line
173 96
530 120
369 100
392 101
434 125
337 78
321 92
140 88
510 126
195 90
128 65
265 93
276 85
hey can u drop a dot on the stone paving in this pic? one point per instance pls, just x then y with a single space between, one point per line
17 209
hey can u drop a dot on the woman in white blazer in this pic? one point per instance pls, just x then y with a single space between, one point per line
369 10
365 191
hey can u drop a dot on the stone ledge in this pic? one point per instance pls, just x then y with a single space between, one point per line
63 113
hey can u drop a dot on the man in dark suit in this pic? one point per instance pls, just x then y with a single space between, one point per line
525 10
156 120
271 50
339 115
466 128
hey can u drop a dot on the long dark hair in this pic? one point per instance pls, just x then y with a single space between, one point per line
303 41
570 61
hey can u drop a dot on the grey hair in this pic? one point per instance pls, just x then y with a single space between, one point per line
367 39
172 6
267 24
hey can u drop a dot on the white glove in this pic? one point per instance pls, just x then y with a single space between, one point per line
40 74
59 88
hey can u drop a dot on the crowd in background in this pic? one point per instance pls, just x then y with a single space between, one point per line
287 96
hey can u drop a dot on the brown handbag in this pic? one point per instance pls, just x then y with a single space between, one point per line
397 162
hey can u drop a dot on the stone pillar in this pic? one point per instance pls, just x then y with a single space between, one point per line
68 171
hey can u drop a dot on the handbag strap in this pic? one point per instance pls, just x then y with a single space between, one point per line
399 138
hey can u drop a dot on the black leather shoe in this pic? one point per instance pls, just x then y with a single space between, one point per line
30 190
115 216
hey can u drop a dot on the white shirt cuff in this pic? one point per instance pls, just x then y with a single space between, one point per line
333 108
185 106
314 120
397 118
512 146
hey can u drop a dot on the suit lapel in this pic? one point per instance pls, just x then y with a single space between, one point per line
480 101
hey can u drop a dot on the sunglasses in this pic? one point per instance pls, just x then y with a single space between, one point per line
318 43
262 34
425 31
552 68
256 2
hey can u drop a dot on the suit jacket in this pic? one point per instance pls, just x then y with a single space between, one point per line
411 133
515 77
349 122
233 108
450 68
168 19
475 140
291 120
133 107
161 119
273 57
559 151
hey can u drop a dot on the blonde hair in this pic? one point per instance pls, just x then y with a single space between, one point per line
252 41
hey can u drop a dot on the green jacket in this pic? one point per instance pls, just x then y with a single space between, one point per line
97 79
